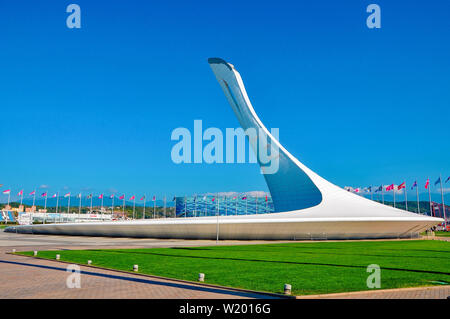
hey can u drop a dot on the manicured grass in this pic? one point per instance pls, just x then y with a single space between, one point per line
442 233
311 268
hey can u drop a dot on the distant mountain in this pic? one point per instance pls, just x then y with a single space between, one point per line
96 202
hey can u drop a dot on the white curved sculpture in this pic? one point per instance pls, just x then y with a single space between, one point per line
307 206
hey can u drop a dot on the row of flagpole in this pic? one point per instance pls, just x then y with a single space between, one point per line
90 196
392 187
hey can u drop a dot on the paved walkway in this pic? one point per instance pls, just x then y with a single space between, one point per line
24 277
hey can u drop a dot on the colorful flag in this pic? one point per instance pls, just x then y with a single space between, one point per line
448 179
245 197
122 197
112 196
154 198
437 182
369 189
174 199
234 197
100 196
79 195
54 195
379 189
427 183
213 199
414 185
390 187
143 197
356 190
402 185
44 194
132 197
67 195
266 198
7 191
20 193
33 192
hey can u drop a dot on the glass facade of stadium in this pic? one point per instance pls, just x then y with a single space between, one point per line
199 206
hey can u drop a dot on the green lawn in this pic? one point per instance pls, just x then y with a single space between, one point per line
311 268
442 233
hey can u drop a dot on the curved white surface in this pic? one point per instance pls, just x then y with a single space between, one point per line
320 209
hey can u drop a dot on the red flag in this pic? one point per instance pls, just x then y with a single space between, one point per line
402 185
7 191
20 193
213 199
122 197
112 196
390 187
54 195
101 196
33 192
142 198
427 183
44 194
154 198
132 197
266 198
245 197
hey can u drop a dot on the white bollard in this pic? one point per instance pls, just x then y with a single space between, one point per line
89 262
35 253
287 289
135 267
201 277
57 256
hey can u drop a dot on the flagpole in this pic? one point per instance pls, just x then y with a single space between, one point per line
406 198
429 197
91 202
371 193
123 209
246 205
393 191
236 205
79 206
134 205
9 196
112 207
57 200
217 224
45 207
256 204
443 203
143 212
165 202
418 203
382 193
68 206
34 197
185 207
21 198
154 206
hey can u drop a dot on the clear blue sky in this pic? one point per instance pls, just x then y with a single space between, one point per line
94 108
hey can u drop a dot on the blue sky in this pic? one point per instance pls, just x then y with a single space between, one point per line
93 109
